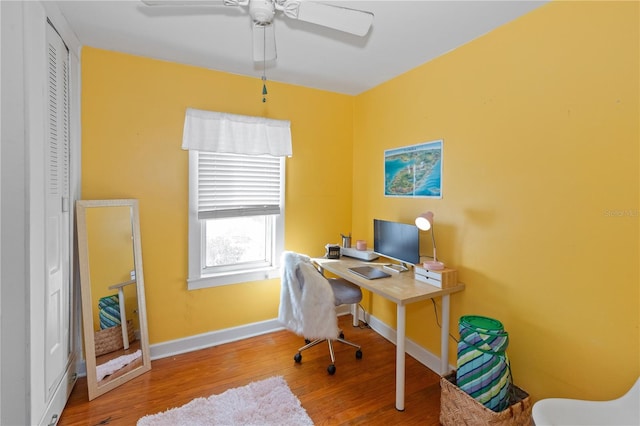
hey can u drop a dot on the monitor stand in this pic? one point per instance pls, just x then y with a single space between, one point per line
396 267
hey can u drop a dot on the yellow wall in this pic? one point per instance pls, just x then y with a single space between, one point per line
540 206
540 126
109 243
132 118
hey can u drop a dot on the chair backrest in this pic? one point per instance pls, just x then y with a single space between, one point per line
306 301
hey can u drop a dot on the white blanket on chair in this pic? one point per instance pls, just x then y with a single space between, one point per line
307 308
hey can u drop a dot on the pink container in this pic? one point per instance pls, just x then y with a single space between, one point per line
361 245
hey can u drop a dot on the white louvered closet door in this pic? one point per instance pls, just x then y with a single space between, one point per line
57 226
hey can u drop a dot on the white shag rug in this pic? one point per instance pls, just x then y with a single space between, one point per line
116 364
262 403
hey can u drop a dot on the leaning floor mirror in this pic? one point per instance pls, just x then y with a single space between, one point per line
116 341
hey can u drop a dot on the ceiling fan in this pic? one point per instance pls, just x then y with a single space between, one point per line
262 13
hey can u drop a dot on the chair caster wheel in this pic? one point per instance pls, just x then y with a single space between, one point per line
298 357
358 354
307 341
341 335
331 369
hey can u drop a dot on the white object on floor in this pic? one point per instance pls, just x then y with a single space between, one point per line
267 402
110 367
562 411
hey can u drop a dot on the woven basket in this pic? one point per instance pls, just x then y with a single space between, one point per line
110 339
458 408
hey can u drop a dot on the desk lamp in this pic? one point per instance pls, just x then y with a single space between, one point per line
424 222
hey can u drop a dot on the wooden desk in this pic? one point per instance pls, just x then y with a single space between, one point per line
401 289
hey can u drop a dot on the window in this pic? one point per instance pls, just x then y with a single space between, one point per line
236 196
236 218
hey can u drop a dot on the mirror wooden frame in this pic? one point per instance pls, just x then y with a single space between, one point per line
93 385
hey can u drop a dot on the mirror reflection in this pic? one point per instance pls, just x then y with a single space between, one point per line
114 314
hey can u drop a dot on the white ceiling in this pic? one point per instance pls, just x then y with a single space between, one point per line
404 35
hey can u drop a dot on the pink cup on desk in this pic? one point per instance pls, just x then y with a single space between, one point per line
361 245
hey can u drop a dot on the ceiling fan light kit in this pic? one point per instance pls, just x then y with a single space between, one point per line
262 11
264 42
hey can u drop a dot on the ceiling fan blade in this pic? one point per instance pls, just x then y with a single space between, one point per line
264 42
182 2
195 2
339 18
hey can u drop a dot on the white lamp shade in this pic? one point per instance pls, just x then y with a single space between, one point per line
424 221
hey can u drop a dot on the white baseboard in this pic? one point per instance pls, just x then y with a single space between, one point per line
219 337
422 355
205 340
214 338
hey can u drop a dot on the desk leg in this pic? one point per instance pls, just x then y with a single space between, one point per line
444 336
123 319
400 356
355 315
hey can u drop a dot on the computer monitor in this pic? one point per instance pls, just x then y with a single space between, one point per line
397 241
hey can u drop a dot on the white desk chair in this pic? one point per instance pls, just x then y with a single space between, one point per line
304 287
563 411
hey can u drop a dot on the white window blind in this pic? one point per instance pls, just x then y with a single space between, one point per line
231 185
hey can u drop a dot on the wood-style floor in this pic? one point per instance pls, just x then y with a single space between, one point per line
361 391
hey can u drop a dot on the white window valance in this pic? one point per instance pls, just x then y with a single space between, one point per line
236 134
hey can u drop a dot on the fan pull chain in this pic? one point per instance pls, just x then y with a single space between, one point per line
264 89
264 64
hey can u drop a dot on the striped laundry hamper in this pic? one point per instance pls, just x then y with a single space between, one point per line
109 311
483 367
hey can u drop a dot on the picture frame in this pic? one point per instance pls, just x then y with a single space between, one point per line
414 171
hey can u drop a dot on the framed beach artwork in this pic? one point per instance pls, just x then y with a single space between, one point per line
414 171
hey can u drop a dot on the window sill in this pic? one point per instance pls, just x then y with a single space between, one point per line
232 278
